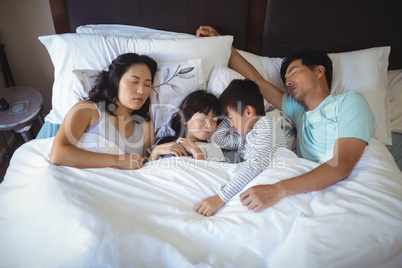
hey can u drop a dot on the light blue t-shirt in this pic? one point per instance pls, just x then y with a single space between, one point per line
338 116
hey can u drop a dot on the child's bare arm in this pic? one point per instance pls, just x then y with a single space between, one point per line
167 148
192 148
210 205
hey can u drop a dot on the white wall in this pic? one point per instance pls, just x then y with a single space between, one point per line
21 22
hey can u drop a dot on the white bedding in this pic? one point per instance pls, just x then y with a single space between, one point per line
52 216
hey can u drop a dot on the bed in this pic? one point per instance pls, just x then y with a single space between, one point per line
56 216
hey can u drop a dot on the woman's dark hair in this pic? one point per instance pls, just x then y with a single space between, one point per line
310 58
198 101
241 93
108 82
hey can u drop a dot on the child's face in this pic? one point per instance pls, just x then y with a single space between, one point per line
238 121
201 126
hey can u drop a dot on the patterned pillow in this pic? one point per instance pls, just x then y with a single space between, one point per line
173 82
86 79
286 124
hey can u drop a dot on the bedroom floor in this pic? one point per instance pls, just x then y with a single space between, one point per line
6 161
18 142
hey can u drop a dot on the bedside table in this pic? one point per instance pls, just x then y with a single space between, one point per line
25 107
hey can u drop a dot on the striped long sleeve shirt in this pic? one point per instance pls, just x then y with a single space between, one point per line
257 148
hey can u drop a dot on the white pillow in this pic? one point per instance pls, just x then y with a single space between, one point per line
130 31
272 67
69 52
395 99
254 60
366 71
220 79
362 70
173 82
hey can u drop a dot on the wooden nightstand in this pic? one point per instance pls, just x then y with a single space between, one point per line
25 107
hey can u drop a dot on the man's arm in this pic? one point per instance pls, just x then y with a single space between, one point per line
236 62
347 152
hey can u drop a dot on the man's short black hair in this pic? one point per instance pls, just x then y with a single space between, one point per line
241 93
310 58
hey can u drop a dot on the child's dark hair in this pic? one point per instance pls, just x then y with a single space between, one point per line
108 82
241 93
198 101
310 58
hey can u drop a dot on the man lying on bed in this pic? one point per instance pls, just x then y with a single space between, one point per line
331 127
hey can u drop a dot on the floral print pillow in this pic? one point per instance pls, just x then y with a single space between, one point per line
173 82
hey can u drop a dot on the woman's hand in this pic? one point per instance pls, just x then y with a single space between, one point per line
206 31
210 205
168 148
191 147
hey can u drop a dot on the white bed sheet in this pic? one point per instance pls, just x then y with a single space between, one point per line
53 216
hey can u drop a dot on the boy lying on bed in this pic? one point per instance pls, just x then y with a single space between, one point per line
340 132
256 139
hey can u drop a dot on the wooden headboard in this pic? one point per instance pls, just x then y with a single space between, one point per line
264 27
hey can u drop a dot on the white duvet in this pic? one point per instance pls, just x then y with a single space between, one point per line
52 216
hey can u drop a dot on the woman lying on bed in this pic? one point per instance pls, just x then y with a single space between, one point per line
112 127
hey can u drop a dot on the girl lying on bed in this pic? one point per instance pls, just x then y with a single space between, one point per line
112 127
193 124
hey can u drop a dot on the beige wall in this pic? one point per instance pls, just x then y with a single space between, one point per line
21 22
